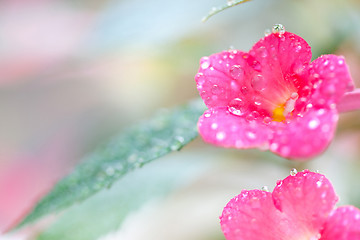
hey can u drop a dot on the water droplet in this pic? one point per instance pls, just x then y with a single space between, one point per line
274 146
319 183
244 90
262 51
341 61
110 171
132 158
214 126
258 83
180 139
256 65
213 10
220 136
267 32
251 135
205 64
230 2
314 123
267 120
236 106
265 188
294 96
293 172
255 114
278 29
237 72
208 114
215 89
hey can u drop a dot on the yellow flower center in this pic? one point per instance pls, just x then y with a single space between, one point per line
282 110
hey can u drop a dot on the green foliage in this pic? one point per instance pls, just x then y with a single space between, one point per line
106 211
167 131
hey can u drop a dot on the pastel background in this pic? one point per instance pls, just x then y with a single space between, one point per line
74 73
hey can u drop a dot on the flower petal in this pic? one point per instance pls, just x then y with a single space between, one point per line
307 136
218 126
281 59
220 77
330 78
287 51
343 224
307 199
252 215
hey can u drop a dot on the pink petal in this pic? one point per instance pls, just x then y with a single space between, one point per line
287 51
218 126
307 136
220 77
330 77
252 216
307 199
343 224
281 59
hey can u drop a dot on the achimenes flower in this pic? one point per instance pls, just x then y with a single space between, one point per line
272 97
301 207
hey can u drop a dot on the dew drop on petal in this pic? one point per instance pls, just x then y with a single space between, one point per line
256 65
237 72
265 188
214 126
258 82
205 64
236 106
319 183
274 146
262 51
251 135
215 89
278 29
267 32
267 120
220 136
255 114
314 123
293 172
244 90
257 103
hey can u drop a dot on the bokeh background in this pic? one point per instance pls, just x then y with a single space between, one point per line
73 73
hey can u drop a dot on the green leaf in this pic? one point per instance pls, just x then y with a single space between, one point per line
167 131
106 211
230 3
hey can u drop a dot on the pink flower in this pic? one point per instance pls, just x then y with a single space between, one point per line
272 97
300 207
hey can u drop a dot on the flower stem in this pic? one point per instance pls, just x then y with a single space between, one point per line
220 9
350 101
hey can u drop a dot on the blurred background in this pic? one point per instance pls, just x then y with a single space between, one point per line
73 73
